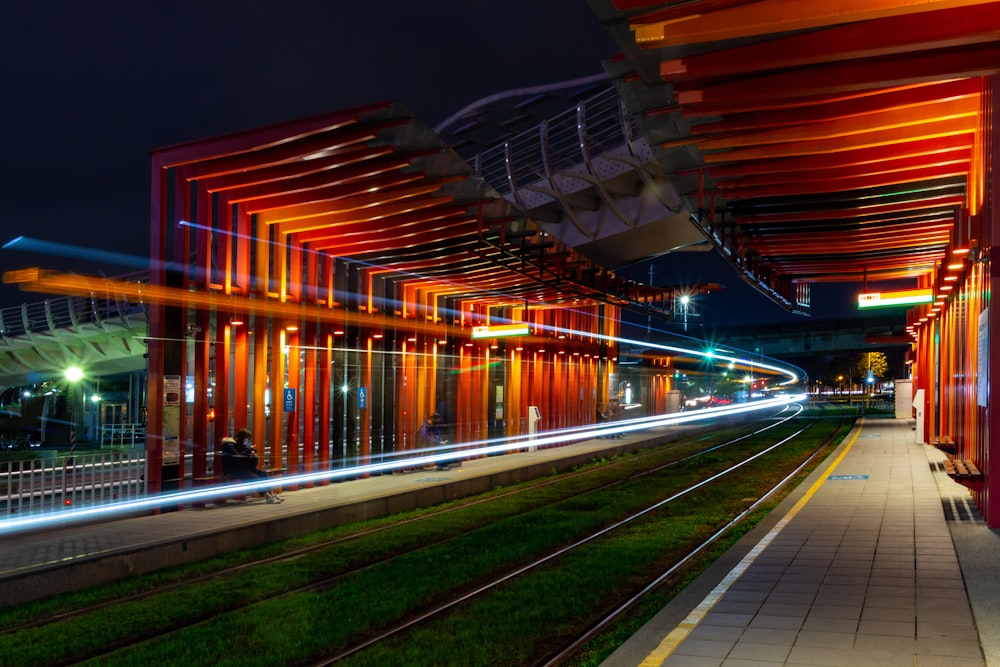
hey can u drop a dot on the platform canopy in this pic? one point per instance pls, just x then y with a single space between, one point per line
378 189
826 141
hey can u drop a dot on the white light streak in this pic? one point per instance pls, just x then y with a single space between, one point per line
428 457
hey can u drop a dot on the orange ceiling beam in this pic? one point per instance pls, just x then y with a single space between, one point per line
315 180
933 150
315 145
947 28
883 101
779 103
871 208
846 77
289 170
851 243
369 206
933 129
342 192
959 158
966 107
919 174
898 229
775 16
903 266
397 238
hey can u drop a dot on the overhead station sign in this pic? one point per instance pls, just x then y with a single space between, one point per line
500 330
908 297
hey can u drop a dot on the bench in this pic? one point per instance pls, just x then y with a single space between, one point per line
945 443
962 468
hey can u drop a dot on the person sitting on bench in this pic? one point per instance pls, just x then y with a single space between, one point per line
240 461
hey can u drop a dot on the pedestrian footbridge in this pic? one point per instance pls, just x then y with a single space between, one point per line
39 341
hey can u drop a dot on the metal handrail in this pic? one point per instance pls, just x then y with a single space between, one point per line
65 313
49 485
521 158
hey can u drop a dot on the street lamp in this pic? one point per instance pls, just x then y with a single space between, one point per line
73 375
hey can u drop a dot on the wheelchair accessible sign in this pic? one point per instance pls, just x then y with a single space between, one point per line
290 400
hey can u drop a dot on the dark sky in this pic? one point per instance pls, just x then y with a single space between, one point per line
90 88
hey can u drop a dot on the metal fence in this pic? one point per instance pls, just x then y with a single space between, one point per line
122 435
48 485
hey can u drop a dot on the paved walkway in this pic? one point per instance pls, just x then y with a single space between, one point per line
879 560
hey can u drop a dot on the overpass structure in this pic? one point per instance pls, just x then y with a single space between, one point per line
40 340
810 337
805 142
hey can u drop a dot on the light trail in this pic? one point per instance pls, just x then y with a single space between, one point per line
710 355
424 458
79 285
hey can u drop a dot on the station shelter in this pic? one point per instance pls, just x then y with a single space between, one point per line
850 143
330 282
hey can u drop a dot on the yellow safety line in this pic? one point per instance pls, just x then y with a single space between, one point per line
684 628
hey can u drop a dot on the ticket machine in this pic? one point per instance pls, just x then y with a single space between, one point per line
534 417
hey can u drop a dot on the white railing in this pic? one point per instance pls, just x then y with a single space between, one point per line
68 312
47 485
122 435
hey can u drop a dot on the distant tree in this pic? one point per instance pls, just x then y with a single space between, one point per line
873 361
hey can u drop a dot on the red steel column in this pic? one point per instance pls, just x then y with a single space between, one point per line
991 233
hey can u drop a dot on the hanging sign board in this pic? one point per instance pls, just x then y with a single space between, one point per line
499 330
907 297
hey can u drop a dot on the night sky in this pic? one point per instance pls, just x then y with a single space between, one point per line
91 88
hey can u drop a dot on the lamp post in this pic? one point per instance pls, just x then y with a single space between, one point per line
73 375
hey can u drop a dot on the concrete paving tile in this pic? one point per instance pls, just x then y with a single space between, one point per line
691 661
778 609
882 594
947 631
705 648
741 662
761 635
813 656
903 614
779 622
829 611
875 643
946 610
947 661
723 633
825 639
732 620
793 596
752 586
952 648
726 606
831 624
766 652
892 602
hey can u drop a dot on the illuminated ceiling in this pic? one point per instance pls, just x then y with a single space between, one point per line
376 189
826 141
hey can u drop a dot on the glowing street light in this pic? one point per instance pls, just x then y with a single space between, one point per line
73 374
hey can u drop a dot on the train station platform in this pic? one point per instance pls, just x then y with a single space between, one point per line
878 559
